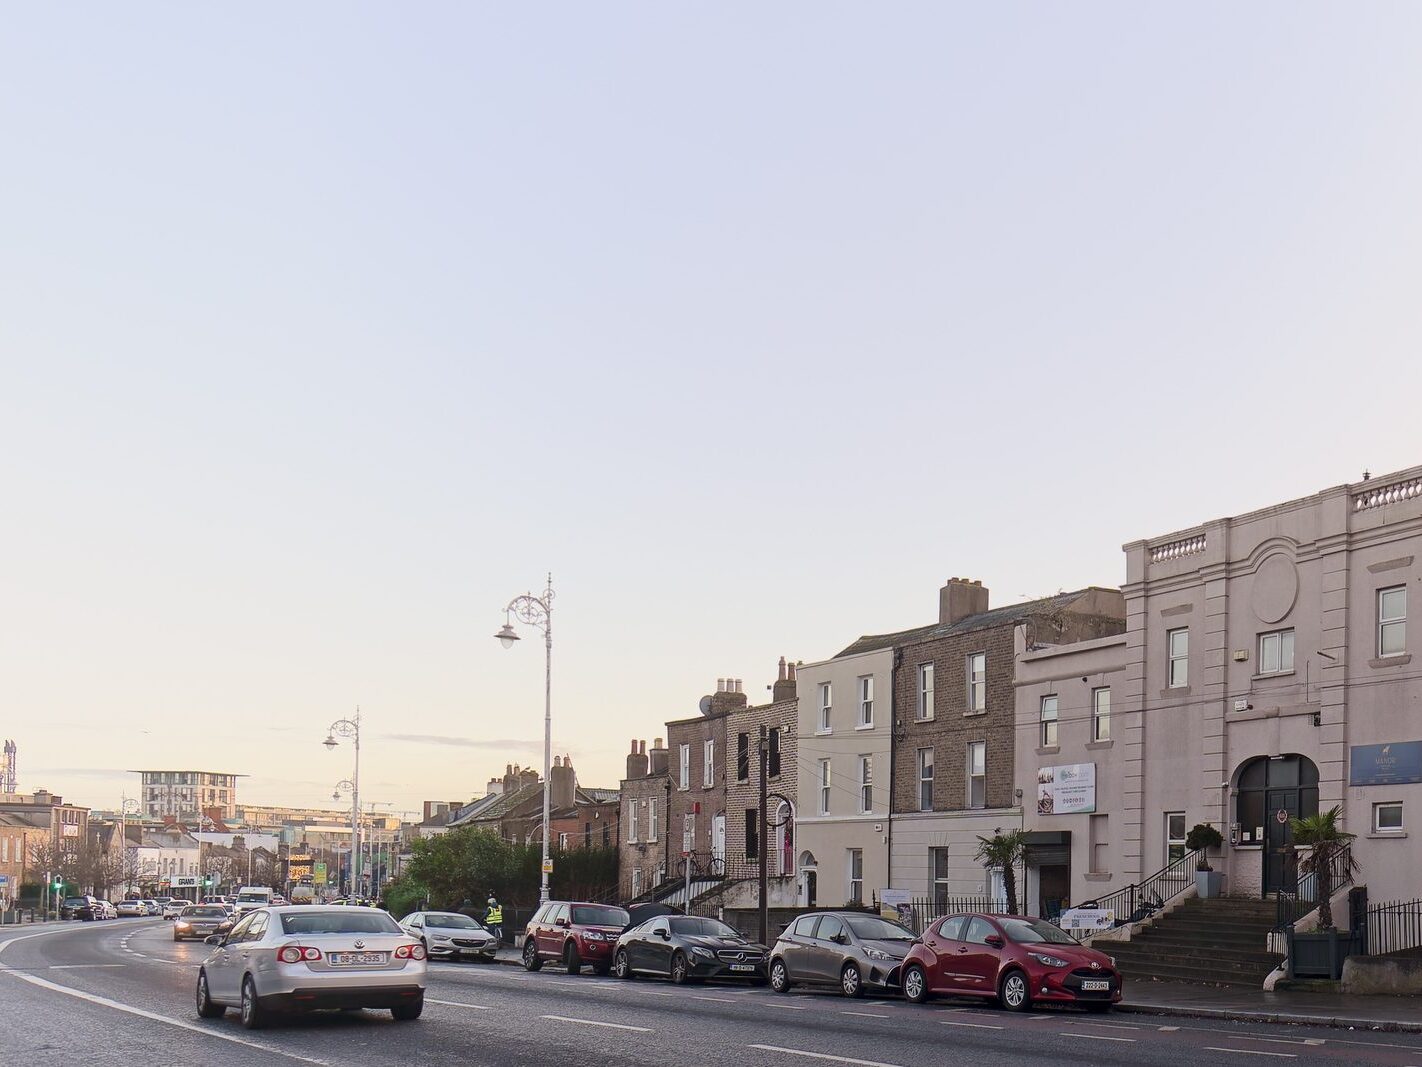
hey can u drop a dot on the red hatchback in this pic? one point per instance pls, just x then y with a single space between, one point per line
573 934
1013 958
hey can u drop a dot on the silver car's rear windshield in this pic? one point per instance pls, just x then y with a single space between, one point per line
339 921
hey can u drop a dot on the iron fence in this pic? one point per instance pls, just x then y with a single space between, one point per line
922 912
1289 908
1395 926
1142 899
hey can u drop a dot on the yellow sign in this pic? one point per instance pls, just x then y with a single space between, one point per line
547 866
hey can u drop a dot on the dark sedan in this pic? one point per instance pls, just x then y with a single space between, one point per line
686 948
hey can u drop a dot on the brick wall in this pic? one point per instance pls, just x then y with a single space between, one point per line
647 855
696 732
741 795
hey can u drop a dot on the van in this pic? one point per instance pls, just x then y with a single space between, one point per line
252 897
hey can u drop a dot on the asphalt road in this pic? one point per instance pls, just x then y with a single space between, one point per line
120 993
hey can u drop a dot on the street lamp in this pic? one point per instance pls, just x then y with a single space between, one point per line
350 728
345 785
538 612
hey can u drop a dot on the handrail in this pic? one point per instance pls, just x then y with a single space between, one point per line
1289 908
1142 899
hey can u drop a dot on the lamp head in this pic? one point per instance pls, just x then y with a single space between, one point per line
330 742
507 636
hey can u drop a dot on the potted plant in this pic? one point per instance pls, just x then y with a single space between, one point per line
1320 953
1004 850
1201 838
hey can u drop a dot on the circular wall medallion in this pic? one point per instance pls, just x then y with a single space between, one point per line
1276 586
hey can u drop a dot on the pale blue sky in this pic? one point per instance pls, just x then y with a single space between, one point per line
324 330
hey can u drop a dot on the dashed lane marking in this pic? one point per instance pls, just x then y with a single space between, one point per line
81 966
1098 1037
596 1022
458 1004
975 1026
820 1056
867 1014
1254 1052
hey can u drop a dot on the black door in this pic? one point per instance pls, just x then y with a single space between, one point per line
1280 865
1053 885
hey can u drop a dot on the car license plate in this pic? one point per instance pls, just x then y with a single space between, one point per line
357 959
742 967
1095 985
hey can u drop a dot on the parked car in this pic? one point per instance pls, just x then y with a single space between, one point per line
107 910
86 908
152 907
131 909
852 950
174 908
304 958
198 921
572 934
688 948
1015 959
447 934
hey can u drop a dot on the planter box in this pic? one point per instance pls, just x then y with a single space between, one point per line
1209 884
1320 954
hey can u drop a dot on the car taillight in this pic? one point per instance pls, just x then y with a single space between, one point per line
410 952
295 954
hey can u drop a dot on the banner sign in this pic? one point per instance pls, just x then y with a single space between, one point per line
896 906
1087 920
1066 790
1398 763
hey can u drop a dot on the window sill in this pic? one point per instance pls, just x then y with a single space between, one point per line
1387 835
923 718
864 726
1391 661
1100 744
1175 691
823 733
1096 876
1049 750
974 714
1270 675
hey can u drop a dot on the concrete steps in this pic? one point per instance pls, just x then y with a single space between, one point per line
1218 942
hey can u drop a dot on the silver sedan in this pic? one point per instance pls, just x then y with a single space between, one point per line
450 935
304 958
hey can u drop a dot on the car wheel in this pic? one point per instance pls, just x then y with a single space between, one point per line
1013 993
678 969
253 1017
851 984
915 984
408 1013
531 962
571 960
779 976
620 964
206 1009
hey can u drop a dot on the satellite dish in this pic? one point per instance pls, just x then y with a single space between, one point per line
705 705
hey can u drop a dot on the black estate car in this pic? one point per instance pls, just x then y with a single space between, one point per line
688 948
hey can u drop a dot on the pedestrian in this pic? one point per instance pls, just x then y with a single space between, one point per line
467 908
494 919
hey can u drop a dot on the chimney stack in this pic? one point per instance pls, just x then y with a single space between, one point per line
657 758
784 687
729 696
960 599
563 785
637 761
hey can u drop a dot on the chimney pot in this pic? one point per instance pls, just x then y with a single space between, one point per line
720 685
961 598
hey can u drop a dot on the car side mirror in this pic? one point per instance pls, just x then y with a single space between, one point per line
993 940
560 922
213 939
841 939
664 935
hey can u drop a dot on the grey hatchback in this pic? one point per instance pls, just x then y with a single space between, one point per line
852 950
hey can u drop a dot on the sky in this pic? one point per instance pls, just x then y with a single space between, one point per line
327 329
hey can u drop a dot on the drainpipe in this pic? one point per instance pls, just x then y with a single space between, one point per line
893 751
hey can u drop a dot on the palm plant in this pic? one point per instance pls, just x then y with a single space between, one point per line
1328 859
1004 850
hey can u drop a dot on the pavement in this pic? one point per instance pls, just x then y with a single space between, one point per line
125 988
1339 1010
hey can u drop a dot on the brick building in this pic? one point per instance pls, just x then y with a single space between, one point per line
953 705
577 816
696 807
644 847
742 768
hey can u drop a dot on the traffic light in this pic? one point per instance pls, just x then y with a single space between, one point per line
58 884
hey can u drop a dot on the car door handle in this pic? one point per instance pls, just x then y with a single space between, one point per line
931 943
962 950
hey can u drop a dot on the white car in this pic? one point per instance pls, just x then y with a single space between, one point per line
132 909
449 934
305 958
174 908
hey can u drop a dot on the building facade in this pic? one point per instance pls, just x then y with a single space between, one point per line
189 795
842 817
696 809
644 847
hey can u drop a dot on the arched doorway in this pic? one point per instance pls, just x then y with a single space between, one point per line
783 863
809 877
1272 790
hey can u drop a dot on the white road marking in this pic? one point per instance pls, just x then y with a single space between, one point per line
1034 1018
1253 1052
458 1004
718 1000
1169 1029
1113 1026
975 1026
78 966
866 1014
595 1022
782 1004
1098 1037
821 1056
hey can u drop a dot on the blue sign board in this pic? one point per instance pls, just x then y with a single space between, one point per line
1395 764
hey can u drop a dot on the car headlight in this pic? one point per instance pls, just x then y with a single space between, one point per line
703 953
441 937
593 935
1049 961
184 926
879 954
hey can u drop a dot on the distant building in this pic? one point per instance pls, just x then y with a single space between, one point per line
189 795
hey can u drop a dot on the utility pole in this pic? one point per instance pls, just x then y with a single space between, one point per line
764 747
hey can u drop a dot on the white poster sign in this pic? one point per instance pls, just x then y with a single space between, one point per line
1066 790
1087 920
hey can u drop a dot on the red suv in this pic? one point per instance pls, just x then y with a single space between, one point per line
573 934
1010 957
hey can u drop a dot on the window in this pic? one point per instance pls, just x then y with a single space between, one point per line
866 702
1387 818
977 774
1048 716
562 841
1096 831
925 691
1174 836
772 760
830 927
866 783
976 931
1101 714
631 822
1177 643
752 835
938 861
824 707
684 767
688 832
708 763
636 882
1276 652
652 819
1392 621
856 875
805 925
925 779
742 757
977 682
824 786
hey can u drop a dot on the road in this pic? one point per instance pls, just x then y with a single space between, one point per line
122 990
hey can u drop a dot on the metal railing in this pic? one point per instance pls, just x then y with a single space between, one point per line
920 913
1140 900
1395 926
1289 908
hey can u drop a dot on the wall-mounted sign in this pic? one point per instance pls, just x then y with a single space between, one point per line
896 905
1066 790
1397 763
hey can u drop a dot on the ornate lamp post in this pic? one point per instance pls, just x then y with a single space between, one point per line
350 728
538 612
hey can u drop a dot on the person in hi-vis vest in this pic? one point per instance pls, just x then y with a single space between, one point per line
494 919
